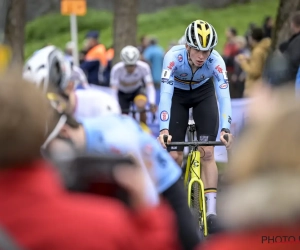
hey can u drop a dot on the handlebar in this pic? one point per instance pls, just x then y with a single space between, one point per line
195 143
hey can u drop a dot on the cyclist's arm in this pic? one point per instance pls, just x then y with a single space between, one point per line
114 79
166 91
167 174
149 85
222 91
187 226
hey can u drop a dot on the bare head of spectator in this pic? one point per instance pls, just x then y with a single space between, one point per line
240 42
295 23
271 165
255 36
153 41
230 33
24 112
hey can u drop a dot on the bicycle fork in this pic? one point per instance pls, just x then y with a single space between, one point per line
194 167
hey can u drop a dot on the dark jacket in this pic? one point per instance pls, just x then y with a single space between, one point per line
291 50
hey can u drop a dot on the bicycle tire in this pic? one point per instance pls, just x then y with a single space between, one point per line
195 206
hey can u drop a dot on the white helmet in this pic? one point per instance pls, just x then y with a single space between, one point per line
47 68
130 55
201 35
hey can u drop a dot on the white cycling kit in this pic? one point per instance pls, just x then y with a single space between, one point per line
129 83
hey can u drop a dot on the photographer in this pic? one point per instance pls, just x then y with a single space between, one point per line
36 210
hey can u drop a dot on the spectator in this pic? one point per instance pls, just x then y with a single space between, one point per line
251 26
36 210
253 66
154 55
268 26
230 50
144 42
291 47
237 83
265 213
95 60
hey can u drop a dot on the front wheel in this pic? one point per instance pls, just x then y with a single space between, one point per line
196 209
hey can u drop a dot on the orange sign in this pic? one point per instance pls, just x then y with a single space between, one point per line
69 7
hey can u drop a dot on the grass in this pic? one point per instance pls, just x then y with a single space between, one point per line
167 25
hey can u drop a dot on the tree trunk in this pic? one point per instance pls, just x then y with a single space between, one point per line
15 30
125 25
282 28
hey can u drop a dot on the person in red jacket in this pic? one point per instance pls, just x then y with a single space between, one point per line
38 213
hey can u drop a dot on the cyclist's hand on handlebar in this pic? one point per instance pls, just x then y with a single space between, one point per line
161 137
227 139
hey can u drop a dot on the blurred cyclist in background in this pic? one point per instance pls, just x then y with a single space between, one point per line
132 80
103 130
32 193
51 72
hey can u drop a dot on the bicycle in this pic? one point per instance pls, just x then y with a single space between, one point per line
192 176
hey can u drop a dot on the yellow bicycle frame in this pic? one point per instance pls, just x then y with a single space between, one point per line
195 172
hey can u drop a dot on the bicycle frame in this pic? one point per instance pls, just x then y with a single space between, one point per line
193 166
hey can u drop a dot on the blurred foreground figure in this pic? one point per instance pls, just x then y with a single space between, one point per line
38 213
260 207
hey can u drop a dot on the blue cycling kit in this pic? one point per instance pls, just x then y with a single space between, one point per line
177 73
121 134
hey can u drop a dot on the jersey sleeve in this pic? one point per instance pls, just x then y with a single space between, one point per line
114 77
222 91
131 139
160 164
166 91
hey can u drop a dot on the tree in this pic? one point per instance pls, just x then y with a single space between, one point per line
125 25
15 30
282 30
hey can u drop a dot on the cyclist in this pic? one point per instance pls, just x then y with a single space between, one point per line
107 131
132 79
187 83
48 65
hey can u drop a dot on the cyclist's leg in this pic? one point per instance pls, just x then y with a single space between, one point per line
178 124
206 117
140 101
124 100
